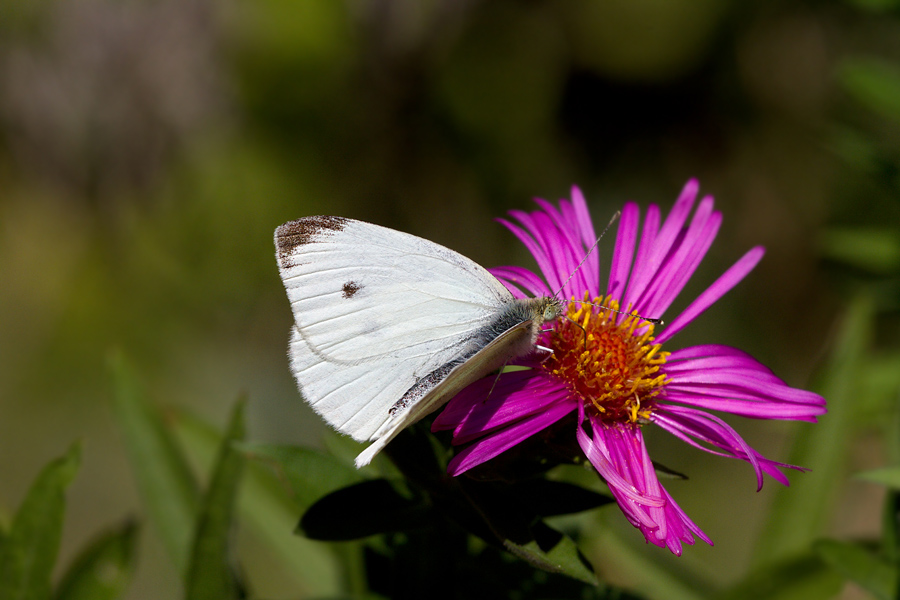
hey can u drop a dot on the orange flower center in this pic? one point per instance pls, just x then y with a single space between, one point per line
608 359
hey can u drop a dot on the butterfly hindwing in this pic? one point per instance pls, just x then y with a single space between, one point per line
512 342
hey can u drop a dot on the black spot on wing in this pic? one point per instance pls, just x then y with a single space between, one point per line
303 231
350 288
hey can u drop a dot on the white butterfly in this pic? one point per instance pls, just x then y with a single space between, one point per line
389 326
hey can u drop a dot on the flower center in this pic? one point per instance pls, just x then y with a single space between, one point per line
608 359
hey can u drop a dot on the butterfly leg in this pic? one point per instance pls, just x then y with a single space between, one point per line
547 352
496 379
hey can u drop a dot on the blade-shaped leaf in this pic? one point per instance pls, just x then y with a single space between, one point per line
361 510
310 474
800 512
887 476
209 575
860 566
103 570
167 487
548 498
890 530
553 551
874 249
803 578
875 6
890 513
875 83
32 544
269 513
491 573
341 447
641 564
511 515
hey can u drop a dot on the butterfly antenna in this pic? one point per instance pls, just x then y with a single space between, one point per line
612 220
588 253
627 314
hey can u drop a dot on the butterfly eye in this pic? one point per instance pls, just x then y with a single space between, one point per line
551 312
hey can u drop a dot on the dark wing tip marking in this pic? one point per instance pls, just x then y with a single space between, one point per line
302 231
350 288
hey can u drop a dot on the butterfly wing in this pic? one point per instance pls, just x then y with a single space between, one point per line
376 311
433 394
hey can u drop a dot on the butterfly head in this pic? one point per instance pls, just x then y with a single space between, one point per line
549 307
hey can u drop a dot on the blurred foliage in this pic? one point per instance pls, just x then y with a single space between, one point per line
29 549
148 149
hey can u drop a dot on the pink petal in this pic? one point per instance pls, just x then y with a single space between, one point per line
695 426
537 251
686 257
647 268
597 452
570 251
490 446
721 381
580 218
557 246
640 275
626 238
620 456
479 410
517 279
722 285
727 402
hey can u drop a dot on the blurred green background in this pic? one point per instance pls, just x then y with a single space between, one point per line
148 149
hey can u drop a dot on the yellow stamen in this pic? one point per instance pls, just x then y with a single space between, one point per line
616 372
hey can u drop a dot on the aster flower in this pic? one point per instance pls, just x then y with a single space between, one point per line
610 368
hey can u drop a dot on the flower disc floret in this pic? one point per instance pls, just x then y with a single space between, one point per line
608 360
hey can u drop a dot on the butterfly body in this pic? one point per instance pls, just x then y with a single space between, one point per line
388 326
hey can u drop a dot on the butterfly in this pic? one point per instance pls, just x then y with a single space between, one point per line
389 326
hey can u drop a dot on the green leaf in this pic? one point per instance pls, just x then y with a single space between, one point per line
167 488
890 513
555 552
341 447
103 570
874 83
209 575
804 577
890 529
361 510
855 148
652 577
32 544
860 566
874 249
547 498
270 514
887 476
800 513
309 473
875 6
878 396
511 516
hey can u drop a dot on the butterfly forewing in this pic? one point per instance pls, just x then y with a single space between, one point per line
363 292
376 311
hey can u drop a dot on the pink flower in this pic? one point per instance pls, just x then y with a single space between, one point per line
610 369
